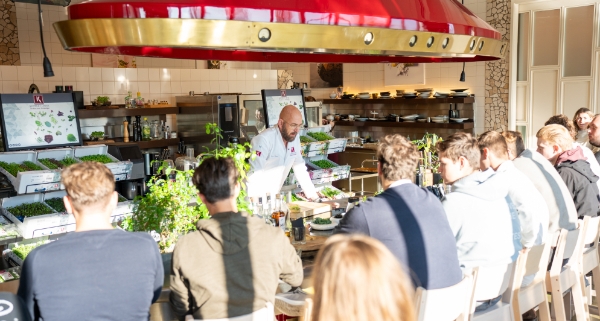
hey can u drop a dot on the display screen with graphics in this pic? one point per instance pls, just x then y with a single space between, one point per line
275 99
32 121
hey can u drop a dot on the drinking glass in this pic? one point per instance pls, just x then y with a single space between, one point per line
298 235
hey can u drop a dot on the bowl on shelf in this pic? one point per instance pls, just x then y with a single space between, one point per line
459 120
421 120
459 90
410 117
364 96
384 93
361 119
460 94
425 94
440 95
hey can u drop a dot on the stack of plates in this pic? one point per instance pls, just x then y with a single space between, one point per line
439 119
421 120
409 94
458 120
410 118
424 94
422 90
462 92
364 96
440 95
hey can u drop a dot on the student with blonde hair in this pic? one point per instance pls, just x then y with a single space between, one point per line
556 144
356 278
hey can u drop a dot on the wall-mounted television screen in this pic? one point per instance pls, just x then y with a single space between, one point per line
31 121
275 99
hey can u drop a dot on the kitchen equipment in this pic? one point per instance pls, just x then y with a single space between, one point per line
187 162
129 189
129 152
314 113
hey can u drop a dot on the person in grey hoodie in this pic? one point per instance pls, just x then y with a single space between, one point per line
478 208
562 211
232 264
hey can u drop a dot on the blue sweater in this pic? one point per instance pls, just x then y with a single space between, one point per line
412 223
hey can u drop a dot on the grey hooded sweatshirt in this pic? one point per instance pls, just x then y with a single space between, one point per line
230 267
484 221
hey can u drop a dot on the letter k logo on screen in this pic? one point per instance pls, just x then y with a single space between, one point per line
38 99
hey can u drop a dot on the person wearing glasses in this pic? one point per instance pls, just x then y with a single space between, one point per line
278 150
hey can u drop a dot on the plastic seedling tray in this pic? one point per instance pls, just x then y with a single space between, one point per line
40 225
337 145
58 154
30 181
120 169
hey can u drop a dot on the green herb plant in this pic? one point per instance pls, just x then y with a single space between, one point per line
52 163
319 136
330 193
14 168
323 163
22 250
29 210
321 221
427 145
172 207
57 204
97 135
100 158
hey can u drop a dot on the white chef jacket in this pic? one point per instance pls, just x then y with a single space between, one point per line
273 162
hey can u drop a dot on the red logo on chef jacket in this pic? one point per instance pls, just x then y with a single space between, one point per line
283 94
38 99
293 149
258 153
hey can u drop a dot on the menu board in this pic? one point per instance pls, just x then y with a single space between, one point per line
275 99
31 121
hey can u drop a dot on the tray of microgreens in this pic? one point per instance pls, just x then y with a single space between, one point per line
26 174
99 153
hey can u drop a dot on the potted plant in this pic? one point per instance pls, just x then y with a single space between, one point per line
103 101
97 135
172 207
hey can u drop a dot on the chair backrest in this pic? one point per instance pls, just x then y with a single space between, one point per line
265 314
537 260
308 307
592 233
445 304
492 281
569 247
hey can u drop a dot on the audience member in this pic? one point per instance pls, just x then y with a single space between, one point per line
356 278
556 144
232 264
589 155
562 211
594 135
98 272
409 220
532 209
581 121
478 208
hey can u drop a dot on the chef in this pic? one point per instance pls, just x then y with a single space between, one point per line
278 150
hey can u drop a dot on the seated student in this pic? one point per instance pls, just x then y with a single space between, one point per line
587 153
478 209
96 272
594 135
532 209
409 220
232 264
356 278
555 143
561 209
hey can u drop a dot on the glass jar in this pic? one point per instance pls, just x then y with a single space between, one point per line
187 162
146 130
155 130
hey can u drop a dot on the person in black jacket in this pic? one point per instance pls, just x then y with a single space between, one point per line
409 220
556 145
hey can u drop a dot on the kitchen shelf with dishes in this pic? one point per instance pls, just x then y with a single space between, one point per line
414 124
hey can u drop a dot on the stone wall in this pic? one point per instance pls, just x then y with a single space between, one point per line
496 72
9 40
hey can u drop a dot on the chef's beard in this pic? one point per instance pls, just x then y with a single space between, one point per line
287 136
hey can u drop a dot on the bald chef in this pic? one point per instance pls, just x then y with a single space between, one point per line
277 151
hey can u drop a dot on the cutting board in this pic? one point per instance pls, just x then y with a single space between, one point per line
311 209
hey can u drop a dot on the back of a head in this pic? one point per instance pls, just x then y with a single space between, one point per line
398 158
514 142
563 121
88 184
216 178
460 144
495 143
357 278
556 135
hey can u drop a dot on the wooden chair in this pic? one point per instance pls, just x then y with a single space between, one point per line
568 277
447 304
535 262
590 261
265 314
490 282
308 307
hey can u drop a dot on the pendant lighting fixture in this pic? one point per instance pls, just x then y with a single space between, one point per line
48 72
283 31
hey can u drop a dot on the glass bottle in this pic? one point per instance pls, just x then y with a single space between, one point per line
186 162
267 210
167 133
155 130
258 211
162 129
419 178
136 138
146 129
276 215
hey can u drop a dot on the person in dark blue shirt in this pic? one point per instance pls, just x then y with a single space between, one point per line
409 220
96 272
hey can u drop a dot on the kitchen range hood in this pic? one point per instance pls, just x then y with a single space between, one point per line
360 31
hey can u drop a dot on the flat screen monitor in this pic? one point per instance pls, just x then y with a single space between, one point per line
275 99
31 121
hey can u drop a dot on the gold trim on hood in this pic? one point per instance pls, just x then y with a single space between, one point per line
276 37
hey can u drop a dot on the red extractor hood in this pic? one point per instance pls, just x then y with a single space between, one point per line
363 31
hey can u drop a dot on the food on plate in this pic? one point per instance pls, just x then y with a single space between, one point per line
321 221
